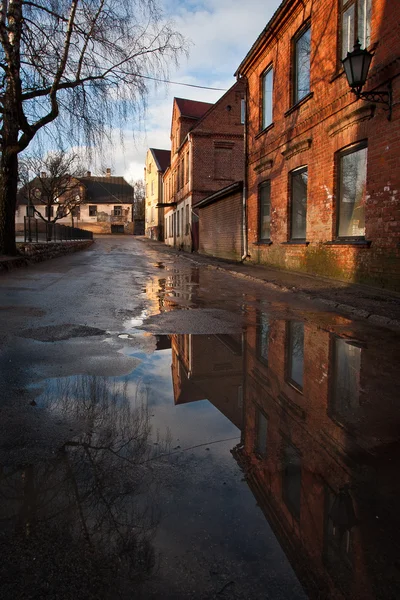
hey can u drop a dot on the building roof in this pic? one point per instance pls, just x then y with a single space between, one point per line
192 108
106 190
99 190
162 158
233 188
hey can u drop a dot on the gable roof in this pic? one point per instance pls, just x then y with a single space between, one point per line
99 190
162 158
192 108
106 190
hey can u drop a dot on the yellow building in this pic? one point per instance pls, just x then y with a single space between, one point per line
157 161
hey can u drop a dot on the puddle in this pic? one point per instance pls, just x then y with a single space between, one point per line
238 463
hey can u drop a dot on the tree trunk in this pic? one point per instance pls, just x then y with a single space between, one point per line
8 200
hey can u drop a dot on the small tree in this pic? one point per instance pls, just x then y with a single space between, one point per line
87 60
50 185
139 199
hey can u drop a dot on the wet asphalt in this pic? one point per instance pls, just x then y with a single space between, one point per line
171 431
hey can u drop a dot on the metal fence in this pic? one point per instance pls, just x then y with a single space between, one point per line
36 230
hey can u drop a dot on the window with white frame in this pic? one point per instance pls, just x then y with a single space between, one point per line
352 192
267 91
355 24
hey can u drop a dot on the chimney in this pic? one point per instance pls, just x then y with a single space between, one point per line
108 173
43 174
88 173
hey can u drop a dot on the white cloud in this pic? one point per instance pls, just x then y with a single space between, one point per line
221 33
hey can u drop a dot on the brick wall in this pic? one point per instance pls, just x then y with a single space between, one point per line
215 138
221 228
312 133
335 445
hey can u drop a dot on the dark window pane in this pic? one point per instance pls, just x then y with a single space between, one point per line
291 484
92 211
267 89
302 66
353 178
30 211
346 378
263 338
265 210
299 204
261 441
296 353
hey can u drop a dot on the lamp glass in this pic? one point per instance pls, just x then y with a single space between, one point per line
356 66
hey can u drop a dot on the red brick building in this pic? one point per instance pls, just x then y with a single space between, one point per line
323 168
320 453
206 155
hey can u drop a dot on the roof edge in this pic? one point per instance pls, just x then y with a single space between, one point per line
220 194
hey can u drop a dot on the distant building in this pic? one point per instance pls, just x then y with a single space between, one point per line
157 162
206 155
323 168
105 205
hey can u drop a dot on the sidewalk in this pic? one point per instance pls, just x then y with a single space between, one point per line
379 306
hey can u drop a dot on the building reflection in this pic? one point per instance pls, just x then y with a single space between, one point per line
209 367
319 445
320 449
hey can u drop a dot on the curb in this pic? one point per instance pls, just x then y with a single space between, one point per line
348 309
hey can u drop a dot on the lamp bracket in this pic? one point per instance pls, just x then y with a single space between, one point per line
378 97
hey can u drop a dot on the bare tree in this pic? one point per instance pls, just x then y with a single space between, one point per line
50 185
139 198
86 60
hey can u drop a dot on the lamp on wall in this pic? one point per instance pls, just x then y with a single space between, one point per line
356 66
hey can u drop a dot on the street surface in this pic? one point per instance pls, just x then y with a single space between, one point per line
171 431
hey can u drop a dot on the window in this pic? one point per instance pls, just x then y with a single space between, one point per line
295 354
182 221
147 190
345 384
242 111
149 169
356 24
117 211
152 187
302 52
352 190
187 220
263 338
61 212
30 212
261 433
187 167
49 212
291 479
223 162
338 543
264 195
177 223
267 90
298 204
92 210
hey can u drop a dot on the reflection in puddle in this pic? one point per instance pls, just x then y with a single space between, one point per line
148 490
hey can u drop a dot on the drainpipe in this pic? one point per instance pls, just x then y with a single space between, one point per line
244 208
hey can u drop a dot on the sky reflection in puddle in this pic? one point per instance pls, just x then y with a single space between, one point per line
152 477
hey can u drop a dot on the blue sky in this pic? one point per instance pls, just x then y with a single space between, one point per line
220 32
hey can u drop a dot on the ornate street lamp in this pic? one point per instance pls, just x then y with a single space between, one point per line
356 66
